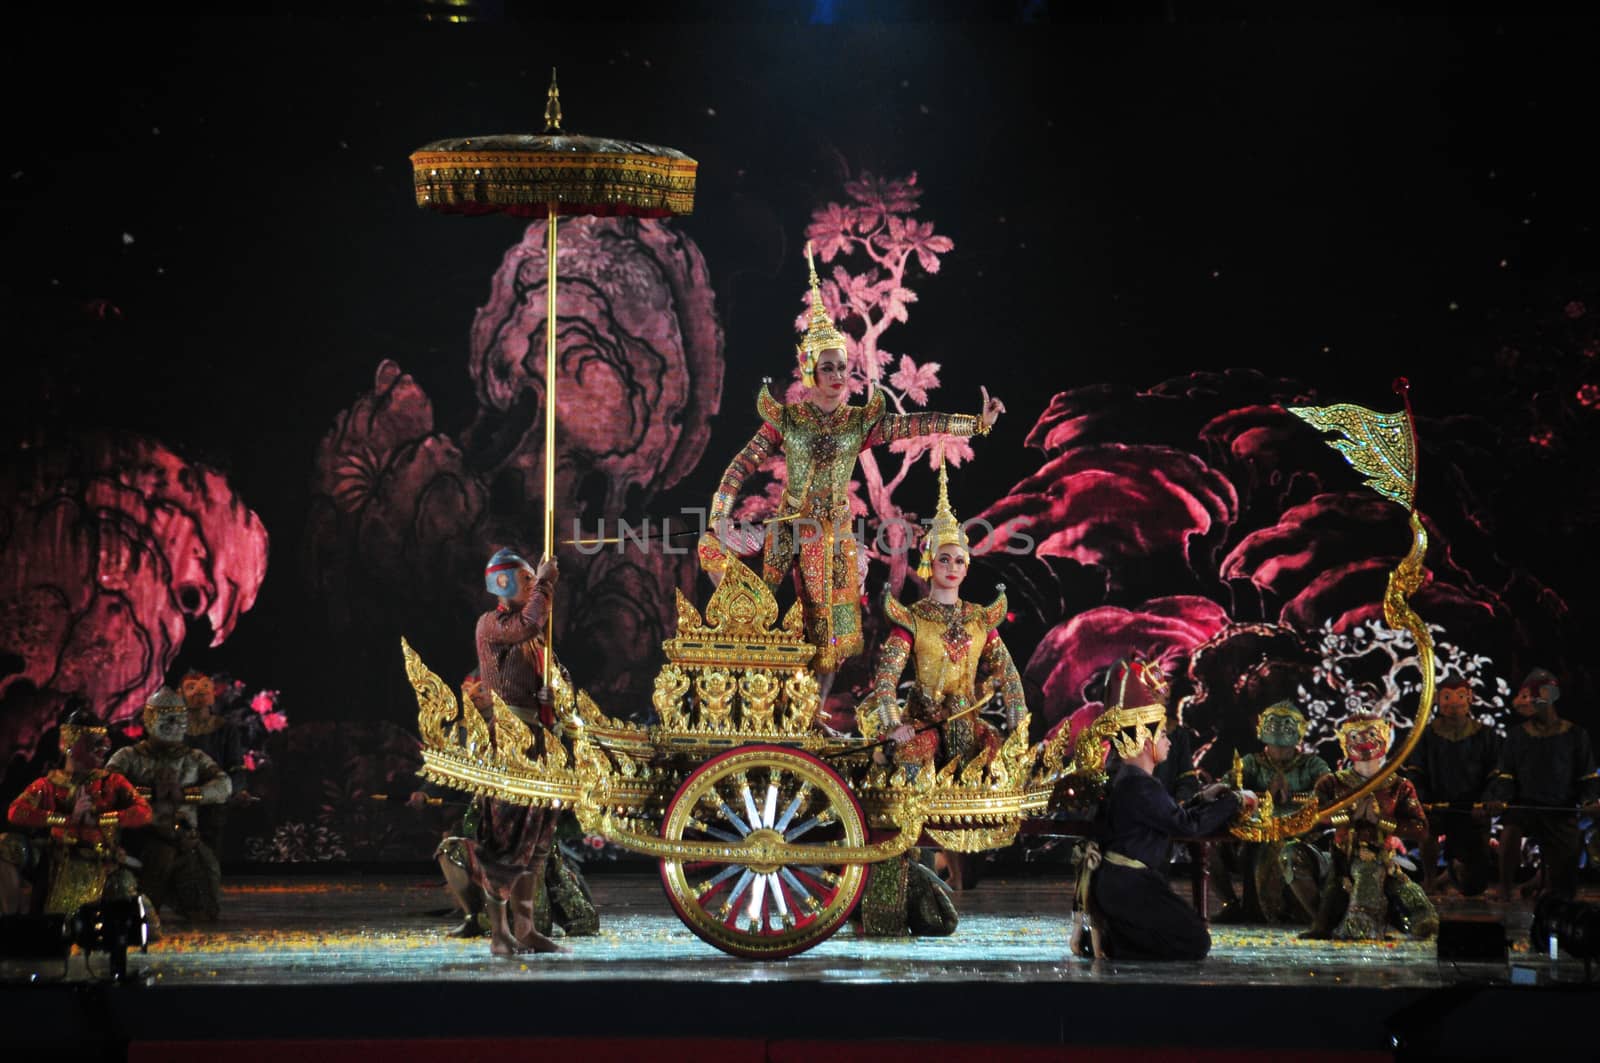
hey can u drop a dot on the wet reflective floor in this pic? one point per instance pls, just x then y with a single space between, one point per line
308 931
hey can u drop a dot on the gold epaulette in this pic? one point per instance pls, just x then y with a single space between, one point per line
897 613
770 409
873 409
994 613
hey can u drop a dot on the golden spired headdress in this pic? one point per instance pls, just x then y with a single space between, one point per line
946 530
821 333
1135 710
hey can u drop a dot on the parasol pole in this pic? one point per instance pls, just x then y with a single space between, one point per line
553 173
552 124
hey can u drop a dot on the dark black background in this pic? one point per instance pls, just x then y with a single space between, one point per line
1133 193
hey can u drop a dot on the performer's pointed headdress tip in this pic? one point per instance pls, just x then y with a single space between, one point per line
946 529
821 334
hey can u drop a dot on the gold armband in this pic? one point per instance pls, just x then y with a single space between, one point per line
193 796
55 819
1340 819
981 429
110 819
1386 825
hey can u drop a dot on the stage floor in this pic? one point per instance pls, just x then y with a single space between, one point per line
367 956
377 929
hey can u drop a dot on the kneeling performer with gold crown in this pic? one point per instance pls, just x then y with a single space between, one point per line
1135 914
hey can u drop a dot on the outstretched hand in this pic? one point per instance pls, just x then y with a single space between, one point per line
991 410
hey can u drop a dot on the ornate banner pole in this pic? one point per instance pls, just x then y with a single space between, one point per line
1383 448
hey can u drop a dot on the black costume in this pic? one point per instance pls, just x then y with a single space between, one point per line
1453 765
1549 768
1177 774
1135 906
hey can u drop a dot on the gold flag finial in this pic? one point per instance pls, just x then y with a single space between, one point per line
552 106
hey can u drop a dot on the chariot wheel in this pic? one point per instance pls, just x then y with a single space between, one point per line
764 793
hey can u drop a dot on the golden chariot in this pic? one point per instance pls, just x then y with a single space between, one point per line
762 822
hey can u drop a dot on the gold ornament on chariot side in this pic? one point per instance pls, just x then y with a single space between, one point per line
758 693
671 686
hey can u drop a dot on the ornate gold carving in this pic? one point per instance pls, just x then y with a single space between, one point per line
801 698
976 839
671 686
740 607
759 691
714 692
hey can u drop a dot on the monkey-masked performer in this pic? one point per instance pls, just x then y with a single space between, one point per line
1452 766
960 666
507 858
1366 889
1122 882
562 897
820 439
84 807
1281 877
178 868
1547 766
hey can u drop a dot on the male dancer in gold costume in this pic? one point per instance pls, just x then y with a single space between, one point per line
820 439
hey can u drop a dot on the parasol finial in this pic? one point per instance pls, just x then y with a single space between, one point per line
552 106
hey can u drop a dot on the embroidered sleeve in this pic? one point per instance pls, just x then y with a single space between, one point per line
762 446
33 806
893 426
131 807
892 657
1411 822
996 664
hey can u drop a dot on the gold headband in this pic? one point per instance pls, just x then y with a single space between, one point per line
1133 727
71 732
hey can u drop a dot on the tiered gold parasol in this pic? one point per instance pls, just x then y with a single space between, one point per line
553 173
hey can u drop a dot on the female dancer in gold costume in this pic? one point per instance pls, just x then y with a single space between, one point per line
957 656
820 438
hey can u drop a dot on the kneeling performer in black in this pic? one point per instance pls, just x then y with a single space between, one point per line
1136 912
